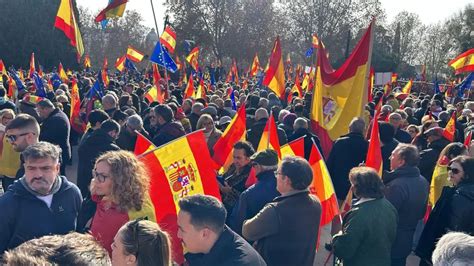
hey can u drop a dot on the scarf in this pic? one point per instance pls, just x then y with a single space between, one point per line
54 189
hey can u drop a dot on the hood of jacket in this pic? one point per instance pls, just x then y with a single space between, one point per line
19 190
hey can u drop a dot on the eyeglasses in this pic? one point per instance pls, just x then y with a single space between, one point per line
98 176
454 170
13 138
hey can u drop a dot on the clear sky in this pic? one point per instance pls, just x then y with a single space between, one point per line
430 11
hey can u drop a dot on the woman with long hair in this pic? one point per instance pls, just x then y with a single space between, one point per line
440 173
454 210
119 189
142 243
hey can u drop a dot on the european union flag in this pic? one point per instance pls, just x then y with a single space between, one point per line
130 65
436 87
56 80
465 84
161 57
40 91
309 52
98 87
232 99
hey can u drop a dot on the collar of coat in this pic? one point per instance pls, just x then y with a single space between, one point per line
402 172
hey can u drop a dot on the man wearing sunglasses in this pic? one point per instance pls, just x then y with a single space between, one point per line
41 202
21 132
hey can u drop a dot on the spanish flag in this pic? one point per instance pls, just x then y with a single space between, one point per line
438 180
201 90
32 65
450 129
464 62
315 41
177 169
296 88
120 63
189 91
192 58
371 84
255 66
394 78
275 74
322 187
341 94
76 122
269 138
407 88
66 21
234 132
62 73
467 141
87 61
134 55
3 70
105 77
294 148
114 9
374 153
168 39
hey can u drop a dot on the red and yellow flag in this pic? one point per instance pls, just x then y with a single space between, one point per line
275 73
407 88
374 152
66 21
76 122
296 88
62 73
322 187
341 94
394 78
87 61
105 77
120 63
463 62
114 9
450 129
192 58
134 55
168 39
177 170
467 141
255 66
201 90
234 132
269 138
294 148
32 65
371 84
189 91
3 70
315 41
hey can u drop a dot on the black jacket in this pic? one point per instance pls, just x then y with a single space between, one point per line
193 120
387 149
402 136
407 190
126 141
8 105
56 130
168 132
255 133
347 152
97 143
461 218
24 216
230 249
429 156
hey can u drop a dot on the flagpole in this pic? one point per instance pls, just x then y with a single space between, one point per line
159 43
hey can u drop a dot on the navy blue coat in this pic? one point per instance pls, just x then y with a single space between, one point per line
56 129
24 216
253 199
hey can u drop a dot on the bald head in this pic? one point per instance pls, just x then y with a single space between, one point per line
260 114
300 122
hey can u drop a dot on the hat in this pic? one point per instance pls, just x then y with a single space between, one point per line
267 158
210 110
435 131
224 120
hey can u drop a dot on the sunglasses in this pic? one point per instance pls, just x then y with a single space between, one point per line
454 170
13 138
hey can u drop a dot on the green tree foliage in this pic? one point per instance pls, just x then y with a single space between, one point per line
28 26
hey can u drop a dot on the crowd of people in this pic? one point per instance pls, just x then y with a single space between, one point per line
422 202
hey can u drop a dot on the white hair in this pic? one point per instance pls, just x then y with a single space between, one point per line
454 248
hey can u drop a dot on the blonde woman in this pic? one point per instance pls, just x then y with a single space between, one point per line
119 189
211 133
